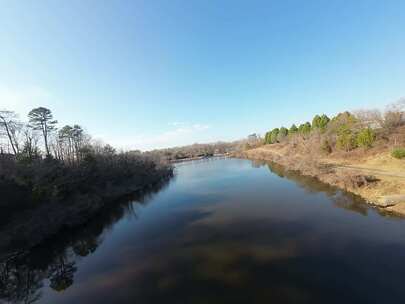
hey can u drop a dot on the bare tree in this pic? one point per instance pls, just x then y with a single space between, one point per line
11 127
370 118
69 143
65 143
394 115
78 140
30 142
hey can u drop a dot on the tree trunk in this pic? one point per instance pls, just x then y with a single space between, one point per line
10 137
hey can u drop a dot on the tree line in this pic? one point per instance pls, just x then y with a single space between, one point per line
54 163
345 131
23 139
194 151
60 177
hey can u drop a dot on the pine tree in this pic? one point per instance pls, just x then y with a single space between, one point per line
42 119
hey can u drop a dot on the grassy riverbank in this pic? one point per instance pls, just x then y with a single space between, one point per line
361 152
374 175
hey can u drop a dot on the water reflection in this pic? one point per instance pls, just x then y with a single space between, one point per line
340 198
224 231
22 275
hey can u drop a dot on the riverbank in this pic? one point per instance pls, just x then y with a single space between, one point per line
199 158
182 160
376 177
37 222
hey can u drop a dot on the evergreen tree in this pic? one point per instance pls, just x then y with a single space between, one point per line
320 122
323 122
365 138
304 129
274 135
346 139
316 122
267 138
42 119
283 132
293 130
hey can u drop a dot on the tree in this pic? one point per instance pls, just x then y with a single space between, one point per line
370 118
61 274
323 123
346 139
345 118
30 148
304 129
320 122
394 115
65 143
293 130
42 119
108 150
274 135
267 138
316 122
283 132
70 140
365 138
10 125
78 138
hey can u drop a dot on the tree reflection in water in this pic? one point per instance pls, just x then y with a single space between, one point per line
340 198
23 275
206 257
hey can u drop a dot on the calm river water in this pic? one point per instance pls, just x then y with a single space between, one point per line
222 231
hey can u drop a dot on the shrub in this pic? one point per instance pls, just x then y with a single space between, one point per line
326 147
398 153
365 138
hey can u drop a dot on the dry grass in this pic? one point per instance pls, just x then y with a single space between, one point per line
368 173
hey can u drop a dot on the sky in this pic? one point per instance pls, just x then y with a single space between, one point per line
152 74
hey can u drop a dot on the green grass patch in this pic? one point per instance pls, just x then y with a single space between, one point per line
398 153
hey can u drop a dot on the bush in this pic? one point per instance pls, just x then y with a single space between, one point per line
365 138
326 147
398 153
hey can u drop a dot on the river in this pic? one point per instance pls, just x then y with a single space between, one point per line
221 231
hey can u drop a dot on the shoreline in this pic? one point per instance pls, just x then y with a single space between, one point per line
366 186
183 160
33 226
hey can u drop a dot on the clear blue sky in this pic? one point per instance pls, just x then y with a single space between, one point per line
145 74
